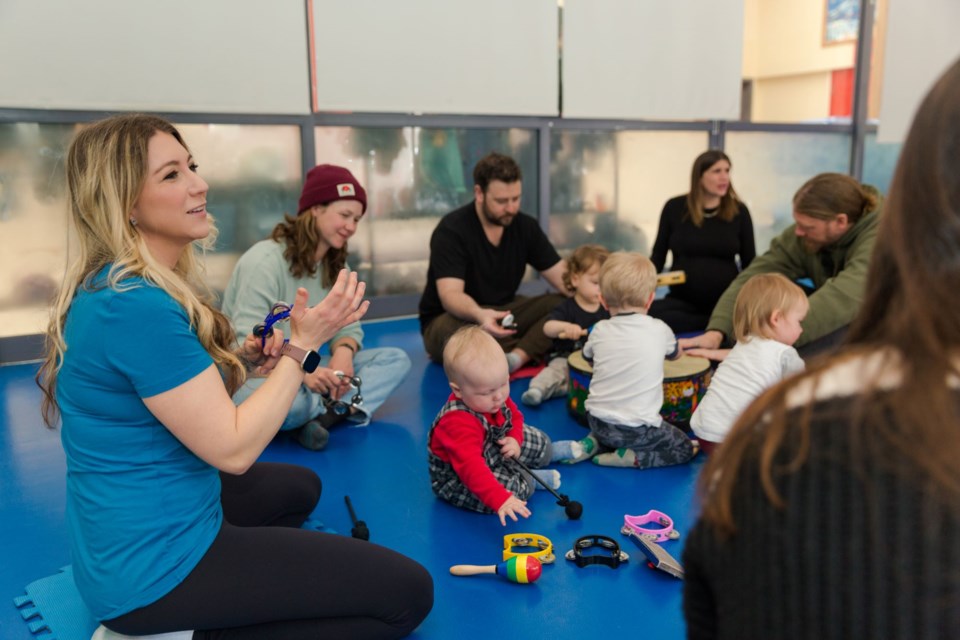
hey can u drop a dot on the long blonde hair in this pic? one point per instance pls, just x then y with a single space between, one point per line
106 169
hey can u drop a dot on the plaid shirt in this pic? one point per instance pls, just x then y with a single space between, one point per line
445 482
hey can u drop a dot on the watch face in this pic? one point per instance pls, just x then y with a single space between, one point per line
311 362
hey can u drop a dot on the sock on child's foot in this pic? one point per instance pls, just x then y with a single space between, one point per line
313 435
573 451
532 397
621 457
513 362
549 476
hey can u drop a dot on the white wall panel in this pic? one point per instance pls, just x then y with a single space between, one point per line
652 60
235 56
922 41
436 56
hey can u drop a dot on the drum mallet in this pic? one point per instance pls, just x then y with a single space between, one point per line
359 530
572 508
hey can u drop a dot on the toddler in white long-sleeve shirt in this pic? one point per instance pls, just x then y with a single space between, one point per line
766 321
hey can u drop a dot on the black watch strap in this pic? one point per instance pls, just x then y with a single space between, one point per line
309 360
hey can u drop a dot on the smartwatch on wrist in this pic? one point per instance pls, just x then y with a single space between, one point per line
309 360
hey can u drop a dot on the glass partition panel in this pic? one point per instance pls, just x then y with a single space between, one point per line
609 187
413 176
770 167
33 223
255 174
879 162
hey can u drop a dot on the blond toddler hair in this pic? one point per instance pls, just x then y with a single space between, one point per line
469 346
627 279
759 298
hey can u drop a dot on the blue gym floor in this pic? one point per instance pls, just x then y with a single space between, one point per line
383 468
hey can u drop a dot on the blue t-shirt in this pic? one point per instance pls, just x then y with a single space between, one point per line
142 509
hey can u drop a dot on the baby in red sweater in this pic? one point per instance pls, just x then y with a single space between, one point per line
479 430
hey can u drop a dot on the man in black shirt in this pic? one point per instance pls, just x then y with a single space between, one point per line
478 255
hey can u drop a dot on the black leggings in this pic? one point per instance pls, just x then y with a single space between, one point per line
264 578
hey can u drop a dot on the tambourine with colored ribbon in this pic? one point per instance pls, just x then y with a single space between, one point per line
263 330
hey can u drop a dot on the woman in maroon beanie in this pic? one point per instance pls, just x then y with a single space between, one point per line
308 250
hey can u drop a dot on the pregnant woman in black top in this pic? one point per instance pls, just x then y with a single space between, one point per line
705 230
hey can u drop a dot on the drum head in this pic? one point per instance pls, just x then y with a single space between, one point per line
578 362
684 367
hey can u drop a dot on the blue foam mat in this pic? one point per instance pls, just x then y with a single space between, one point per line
53 609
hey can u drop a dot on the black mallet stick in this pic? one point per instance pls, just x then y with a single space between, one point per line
359 530
572 508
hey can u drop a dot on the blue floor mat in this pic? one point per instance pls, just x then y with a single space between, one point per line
53 609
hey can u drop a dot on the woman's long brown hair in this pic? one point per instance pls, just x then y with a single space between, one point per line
910 320
299 235
729 203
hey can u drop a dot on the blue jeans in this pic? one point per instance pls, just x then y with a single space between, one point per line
381 371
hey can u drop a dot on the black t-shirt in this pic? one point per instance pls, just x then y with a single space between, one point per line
570 311
459 249
706 253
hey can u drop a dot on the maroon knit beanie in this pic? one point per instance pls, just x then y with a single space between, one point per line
327 183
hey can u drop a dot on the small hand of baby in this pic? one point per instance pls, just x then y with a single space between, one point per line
512 507
509 447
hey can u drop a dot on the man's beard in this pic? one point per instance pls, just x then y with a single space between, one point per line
505 221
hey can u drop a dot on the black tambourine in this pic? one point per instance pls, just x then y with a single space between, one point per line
613 557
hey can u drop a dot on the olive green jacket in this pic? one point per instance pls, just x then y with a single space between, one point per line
838 272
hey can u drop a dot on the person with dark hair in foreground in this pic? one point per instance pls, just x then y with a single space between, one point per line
832 510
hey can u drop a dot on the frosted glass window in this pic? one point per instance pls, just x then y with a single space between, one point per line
230 56
770 167
413 176
677 60
254 175
609 187
425 56
33 223
879 162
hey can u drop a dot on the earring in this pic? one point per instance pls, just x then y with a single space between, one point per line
133 222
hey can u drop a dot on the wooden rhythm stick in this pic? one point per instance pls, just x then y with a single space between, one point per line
671 277
521 569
